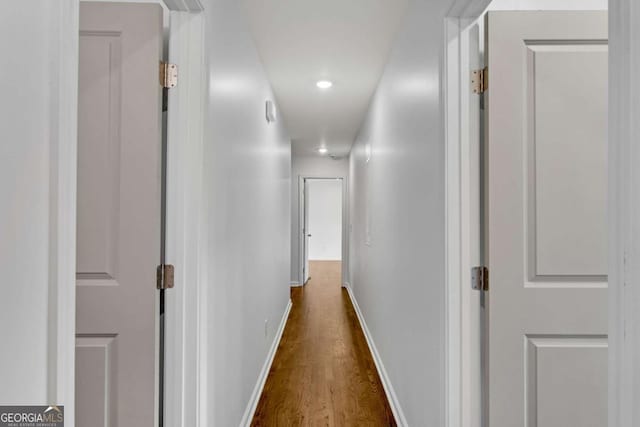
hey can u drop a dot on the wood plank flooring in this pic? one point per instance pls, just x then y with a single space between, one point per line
323 373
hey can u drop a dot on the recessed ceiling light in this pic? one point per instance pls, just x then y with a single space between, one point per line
322 150
324 84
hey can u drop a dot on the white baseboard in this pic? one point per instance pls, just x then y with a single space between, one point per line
386 383
295 284
348 286
262 379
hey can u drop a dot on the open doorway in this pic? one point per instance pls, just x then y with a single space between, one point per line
322 226
119 215
136 165
533 257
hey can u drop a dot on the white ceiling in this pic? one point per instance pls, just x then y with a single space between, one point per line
303 41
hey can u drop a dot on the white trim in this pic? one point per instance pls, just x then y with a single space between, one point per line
295 284
624 206
471 314
462 219
300 231
457 241
264 373
185 222
63 168
469 10
453 238
384 378
184 5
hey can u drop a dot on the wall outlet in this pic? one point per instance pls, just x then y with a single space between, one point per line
266 327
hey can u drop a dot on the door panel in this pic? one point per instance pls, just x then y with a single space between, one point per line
99 155
568 159
566 379
95 388
546 211
118 214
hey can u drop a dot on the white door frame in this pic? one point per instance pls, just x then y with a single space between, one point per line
183 383
345 225
64 18
458 215
185 234
624 206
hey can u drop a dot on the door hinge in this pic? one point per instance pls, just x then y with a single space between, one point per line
168 75
480 80
480 278
164 276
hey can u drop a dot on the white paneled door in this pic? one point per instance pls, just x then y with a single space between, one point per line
118 214
546 218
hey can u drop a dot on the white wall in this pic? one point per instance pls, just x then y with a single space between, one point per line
319 167
37 197
548 5
24 217
397 211
397 214
165 9
325 219
247 171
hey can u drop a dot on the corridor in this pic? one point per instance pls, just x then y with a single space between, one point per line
290 213
323 372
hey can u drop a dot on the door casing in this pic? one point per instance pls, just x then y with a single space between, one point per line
345 224
185 233
305 232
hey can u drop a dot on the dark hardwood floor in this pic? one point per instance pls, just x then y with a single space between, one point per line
323 373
